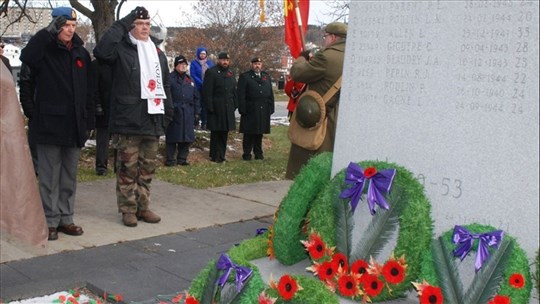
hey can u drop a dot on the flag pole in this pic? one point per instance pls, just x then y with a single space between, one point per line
299 20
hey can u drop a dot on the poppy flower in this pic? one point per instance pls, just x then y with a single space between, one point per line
359 267
326 271
369 172
177 298
348 285
431 295
517 280
393 272
79 63
372 285
62 298
315 246
191 300
287 287
498 299
340 260
151 84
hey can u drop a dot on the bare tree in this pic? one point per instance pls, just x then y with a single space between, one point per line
235 26
338 9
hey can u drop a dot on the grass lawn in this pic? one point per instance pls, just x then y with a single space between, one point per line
202 173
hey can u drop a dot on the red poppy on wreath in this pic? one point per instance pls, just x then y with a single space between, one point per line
326 271
431 295
498 299
191 300
315 246
348 285
393 272
340 260
372 285
517 280
79 63
369 172
62 298
151 85
359 267
287 287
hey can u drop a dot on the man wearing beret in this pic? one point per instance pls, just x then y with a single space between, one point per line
256 105
185 98
140 110
320 71
219 97
63 114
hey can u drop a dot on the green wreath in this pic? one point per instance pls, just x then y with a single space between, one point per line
509 261
287 231
415 223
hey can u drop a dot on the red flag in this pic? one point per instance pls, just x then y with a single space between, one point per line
292 29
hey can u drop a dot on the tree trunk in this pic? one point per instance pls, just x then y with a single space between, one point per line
102 17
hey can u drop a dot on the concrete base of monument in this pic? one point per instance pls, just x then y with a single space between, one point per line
276 269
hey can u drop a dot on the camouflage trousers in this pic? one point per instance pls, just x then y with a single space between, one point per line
136 160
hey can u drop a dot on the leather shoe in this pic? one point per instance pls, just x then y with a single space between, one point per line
148 216
71 229
53 234
129 219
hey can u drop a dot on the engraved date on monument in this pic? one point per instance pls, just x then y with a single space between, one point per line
446 186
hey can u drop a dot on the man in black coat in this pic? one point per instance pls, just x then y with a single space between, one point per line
219 97
63 114
256 105
102 93
140 110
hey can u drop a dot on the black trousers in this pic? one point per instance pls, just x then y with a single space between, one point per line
252 142
183 151
102 148
218 145
32 144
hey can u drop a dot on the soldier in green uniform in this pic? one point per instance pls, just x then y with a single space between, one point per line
256 105
320 71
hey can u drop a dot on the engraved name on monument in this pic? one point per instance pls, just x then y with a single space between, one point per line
449 89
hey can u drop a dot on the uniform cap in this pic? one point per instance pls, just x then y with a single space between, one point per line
337 28
256 59
65 11
223 55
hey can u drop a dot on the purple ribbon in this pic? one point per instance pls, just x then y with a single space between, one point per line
465 239
378 183
226 264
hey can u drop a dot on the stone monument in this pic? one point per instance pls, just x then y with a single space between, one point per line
449 90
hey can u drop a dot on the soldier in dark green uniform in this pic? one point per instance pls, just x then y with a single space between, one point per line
219 97
256 105
320 71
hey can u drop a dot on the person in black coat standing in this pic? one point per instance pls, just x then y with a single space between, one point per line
256 105
102 94
185 97
219 97
63 114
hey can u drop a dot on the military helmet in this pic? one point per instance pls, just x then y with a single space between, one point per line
310 109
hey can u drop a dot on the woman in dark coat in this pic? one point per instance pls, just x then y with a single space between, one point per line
185 97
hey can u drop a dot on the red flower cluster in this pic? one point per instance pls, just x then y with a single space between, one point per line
498 299
429 294
358 279
286 287
517 280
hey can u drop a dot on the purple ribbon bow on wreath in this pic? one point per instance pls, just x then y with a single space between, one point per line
379 182
465 239
226 264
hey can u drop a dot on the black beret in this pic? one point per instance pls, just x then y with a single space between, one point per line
223 55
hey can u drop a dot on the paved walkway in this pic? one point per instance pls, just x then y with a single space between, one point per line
151 259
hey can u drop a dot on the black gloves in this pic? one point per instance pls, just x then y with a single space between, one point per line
139 12
55 27
306 54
